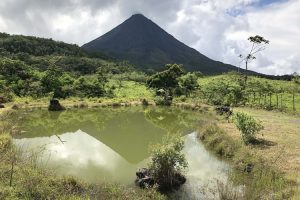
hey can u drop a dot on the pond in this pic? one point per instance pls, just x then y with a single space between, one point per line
111 144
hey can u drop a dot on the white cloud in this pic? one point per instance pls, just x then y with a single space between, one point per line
218 29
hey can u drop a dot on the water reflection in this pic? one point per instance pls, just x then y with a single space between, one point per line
111 144
81 155
203 173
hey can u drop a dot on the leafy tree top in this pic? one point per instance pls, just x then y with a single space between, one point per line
167 79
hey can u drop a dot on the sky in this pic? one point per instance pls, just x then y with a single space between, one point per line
217 28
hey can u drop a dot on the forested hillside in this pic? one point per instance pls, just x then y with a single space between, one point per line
37 67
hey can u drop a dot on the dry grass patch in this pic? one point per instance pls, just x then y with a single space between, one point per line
281 140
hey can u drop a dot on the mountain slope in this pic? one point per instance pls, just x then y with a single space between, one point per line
36 46
148 46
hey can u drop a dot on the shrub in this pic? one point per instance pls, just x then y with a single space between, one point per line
5 141
168 162
248 126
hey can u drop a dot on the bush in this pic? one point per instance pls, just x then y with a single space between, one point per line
168 162
5 141
248 126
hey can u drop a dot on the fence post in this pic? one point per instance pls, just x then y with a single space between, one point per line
277 101
281 102
294 101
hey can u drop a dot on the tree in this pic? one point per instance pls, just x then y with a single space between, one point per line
51 81
168 162
259 44
188 83
167 80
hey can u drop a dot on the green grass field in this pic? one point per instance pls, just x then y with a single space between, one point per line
281 92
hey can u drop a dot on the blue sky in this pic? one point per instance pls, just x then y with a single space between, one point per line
267 2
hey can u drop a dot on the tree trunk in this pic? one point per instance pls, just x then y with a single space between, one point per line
246 76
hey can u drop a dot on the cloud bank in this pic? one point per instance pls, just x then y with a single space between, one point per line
218 29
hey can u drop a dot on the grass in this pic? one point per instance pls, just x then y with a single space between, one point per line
263 181
131 91
278 149
282 138
264 102
128 93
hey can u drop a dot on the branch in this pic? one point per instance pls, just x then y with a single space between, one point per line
60 139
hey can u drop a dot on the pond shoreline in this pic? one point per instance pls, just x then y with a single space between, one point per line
46 174
239 159
271 182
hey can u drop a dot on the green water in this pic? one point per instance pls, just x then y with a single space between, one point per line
110 144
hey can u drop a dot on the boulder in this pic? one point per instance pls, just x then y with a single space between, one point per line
142 173
55 105
248 168
2 106
221 110
144 179
15 107
146 182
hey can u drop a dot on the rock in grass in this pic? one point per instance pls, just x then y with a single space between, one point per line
15 107
144 179
221 110
2 106
55 105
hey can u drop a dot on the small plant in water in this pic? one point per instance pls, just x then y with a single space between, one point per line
168 163
248 126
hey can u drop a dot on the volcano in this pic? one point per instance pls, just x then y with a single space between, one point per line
148 47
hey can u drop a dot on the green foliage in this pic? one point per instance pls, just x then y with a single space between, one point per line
168 79
229 89
51 81
5 142
248 126
188 83
16 76
168 161
37 46
224 90
13 71
89 87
